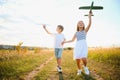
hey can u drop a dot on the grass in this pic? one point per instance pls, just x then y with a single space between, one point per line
70 68
110 56
14 66
46 71
103 62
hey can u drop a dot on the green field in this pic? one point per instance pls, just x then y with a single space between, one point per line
104 64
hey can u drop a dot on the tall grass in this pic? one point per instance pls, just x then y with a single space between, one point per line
108 56
14 66
105 62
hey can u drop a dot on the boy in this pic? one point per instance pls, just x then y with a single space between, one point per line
58 47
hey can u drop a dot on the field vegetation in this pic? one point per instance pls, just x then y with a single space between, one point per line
104 64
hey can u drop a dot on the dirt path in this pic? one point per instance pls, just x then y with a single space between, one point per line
66 75
54 75
35 71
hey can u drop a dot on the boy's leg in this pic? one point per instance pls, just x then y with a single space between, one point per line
59 62
56 55
59 69
59 57
56 52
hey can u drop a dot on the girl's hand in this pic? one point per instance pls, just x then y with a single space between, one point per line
62 43
90 13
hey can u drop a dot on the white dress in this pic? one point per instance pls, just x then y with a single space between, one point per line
81 48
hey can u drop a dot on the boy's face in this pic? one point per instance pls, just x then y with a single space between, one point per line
58 30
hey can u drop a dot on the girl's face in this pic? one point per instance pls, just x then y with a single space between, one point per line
80 25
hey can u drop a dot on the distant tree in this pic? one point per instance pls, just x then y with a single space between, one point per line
18 47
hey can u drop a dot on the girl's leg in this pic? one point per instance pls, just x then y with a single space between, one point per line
84 60
85 66
79 67
78 63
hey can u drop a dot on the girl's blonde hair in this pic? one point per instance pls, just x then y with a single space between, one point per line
78 26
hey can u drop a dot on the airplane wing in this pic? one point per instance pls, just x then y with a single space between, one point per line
87 15
89 7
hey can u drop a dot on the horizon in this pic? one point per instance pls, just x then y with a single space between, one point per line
4 46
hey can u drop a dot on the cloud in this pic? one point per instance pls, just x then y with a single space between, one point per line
6 2
2 2
3 28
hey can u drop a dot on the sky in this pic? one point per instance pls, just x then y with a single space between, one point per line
21 21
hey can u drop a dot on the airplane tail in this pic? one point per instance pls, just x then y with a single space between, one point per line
91 5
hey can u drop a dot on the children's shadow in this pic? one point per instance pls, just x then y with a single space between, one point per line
83 76
60 76
88 77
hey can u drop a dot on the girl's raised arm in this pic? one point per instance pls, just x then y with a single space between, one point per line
89 23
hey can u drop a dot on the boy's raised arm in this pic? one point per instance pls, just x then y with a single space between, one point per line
46 30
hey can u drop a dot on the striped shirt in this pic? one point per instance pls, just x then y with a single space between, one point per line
81 35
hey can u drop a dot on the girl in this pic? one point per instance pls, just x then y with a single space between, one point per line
81 49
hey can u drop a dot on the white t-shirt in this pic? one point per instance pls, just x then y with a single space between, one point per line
59 38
